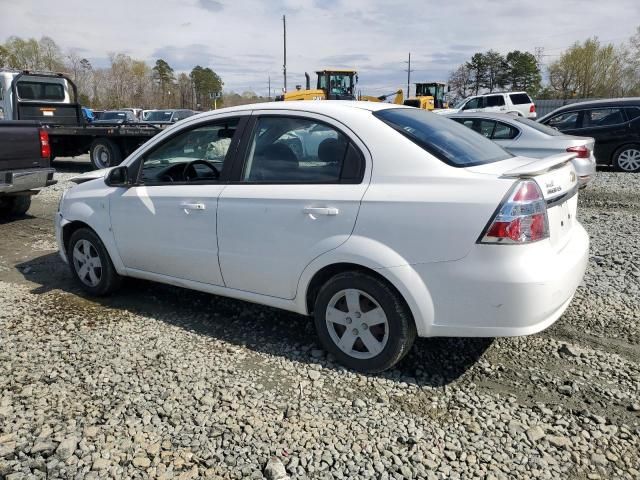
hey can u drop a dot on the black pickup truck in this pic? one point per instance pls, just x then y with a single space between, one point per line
24 165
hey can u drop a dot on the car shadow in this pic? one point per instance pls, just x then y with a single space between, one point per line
434 362
13 219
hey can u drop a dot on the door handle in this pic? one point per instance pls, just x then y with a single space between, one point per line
330 211
193 206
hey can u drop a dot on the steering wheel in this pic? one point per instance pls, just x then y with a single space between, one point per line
189 170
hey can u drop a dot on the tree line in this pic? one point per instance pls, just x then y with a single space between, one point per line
126 82
584 70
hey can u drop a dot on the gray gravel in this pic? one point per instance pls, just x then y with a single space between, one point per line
159 382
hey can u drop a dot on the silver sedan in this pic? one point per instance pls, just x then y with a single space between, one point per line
523 137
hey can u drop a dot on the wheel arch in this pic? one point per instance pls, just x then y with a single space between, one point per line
400 276
614 154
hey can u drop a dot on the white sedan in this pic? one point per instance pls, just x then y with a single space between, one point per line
383 222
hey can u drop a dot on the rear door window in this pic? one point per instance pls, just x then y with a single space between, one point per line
632 113
301 150
445 139
503 131
520 98
494 101
603 117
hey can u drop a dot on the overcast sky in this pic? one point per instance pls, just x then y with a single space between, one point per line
242 39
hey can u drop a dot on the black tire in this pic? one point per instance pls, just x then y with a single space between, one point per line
401 327
109 279
104 153
623 159
15 206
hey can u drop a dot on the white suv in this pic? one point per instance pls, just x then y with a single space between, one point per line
515 103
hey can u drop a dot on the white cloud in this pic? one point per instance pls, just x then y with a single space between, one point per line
242 39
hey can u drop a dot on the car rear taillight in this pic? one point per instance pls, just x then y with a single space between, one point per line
45 148
582 151
522 218
532 108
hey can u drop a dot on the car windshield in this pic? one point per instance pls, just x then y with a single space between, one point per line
113 116
444 138
158 116
460 104
539 126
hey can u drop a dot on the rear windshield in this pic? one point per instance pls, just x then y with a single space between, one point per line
40 91
158 116
539 126
519 98
113 116
447 140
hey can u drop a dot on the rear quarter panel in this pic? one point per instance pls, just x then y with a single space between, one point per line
419 207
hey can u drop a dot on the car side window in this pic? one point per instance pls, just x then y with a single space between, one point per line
602 117
632 112
193 155
504 132
564 121
495 101
473 103
300 150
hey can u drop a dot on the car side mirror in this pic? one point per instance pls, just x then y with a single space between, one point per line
118 177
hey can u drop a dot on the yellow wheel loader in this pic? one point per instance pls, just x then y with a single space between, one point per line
335 84
429 96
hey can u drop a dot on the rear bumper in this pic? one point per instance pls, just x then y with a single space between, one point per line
585 169
505 290
14 181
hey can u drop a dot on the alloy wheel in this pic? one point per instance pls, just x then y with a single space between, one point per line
357 324
629 160
87 263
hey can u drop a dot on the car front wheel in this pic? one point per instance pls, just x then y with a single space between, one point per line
363 322
90 263
627 159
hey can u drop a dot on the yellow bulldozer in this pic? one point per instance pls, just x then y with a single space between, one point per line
334 84
429 96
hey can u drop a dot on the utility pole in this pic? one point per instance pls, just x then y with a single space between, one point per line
269 87
408 70
284 65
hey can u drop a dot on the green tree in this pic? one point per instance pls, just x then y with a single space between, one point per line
24 54
206 83
495 70
163 74
523 72
5 57
477 67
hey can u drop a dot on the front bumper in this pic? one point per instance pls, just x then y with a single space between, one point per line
505 290
14 181
60 222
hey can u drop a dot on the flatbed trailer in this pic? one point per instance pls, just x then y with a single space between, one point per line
69 133
107 145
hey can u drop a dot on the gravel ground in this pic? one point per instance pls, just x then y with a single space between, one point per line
159 382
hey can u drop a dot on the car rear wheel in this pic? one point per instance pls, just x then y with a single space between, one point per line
90 263
104 153
363 322
627 159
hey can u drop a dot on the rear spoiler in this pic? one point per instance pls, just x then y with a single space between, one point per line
537 167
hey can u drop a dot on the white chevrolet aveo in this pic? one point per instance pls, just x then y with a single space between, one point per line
383 222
